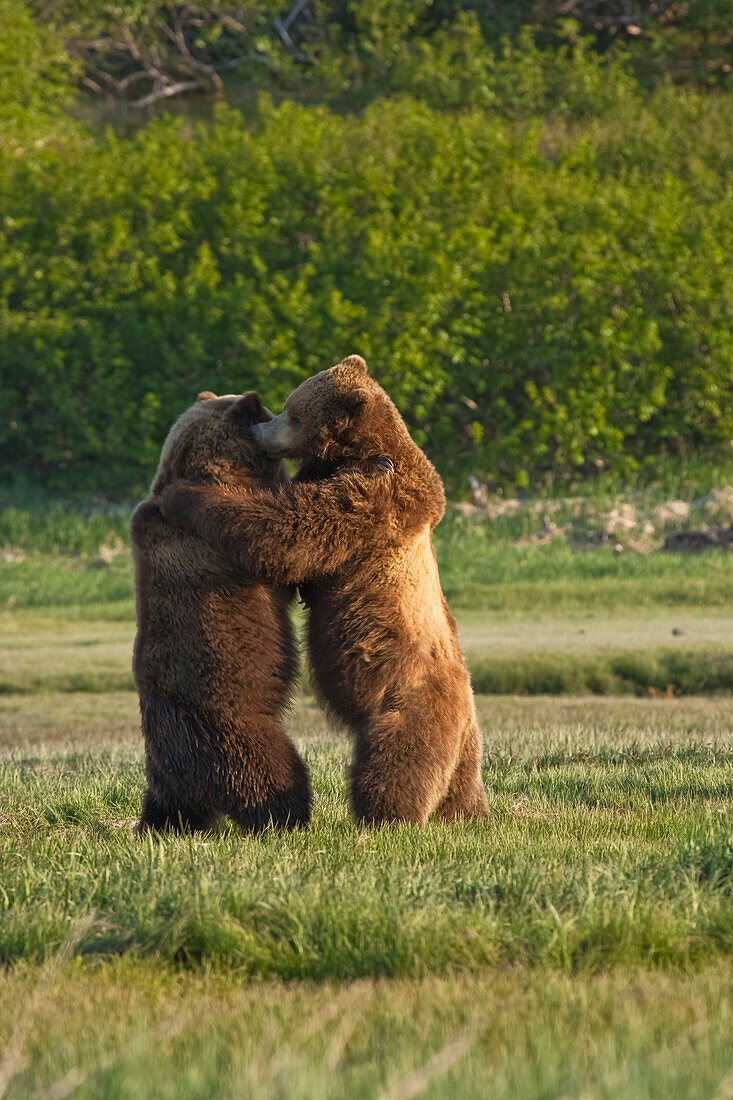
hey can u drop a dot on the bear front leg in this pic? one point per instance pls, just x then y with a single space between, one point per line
305 530
398 775
466 798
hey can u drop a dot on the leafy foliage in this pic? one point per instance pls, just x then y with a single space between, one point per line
142 51
530 249
35 77
145 51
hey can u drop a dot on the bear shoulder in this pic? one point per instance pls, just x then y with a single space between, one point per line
147 524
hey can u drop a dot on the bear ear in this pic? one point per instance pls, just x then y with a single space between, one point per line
355 363
206 395
250 407
352 402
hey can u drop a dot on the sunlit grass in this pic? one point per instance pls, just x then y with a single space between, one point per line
139 1028
601 850
579 941
644 651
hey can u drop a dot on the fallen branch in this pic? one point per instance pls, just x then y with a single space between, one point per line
282 26
165 93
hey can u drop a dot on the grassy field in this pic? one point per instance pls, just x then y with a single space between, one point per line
642 651
579 944
534 620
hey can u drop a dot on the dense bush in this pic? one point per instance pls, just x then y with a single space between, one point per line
534 257
142 50
36 78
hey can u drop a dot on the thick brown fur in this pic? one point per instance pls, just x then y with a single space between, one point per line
214 657
356 528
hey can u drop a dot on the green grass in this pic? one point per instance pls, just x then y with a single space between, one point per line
165 1032
66 564
493 577
33 523
645 652
627 672
476 572
579 943
69 585
593 858
606 846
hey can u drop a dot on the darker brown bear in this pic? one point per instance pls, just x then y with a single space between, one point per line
214 657
383 644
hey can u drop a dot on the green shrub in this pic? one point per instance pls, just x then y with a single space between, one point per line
455 69
527 312
36 76
534 257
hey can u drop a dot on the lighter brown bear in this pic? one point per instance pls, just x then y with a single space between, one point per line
355 532
214 657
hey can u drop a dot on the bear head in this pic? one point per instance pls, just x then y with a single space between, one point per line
212 442
340 413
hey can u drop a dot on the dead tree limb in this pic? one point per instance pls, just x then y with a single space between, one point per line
165 93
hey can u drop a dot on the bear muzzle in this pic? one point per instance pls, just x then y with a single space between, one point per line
276 437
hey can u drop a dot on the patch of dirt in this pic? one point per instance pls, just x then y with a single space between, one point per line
672 511
549 533
640 527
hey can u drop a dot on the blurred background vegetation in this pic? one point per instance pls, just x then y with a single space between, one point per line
520 212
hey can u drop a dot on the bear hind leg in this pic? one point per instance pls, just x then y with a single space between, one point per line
273 789
165 814
398 775
466 797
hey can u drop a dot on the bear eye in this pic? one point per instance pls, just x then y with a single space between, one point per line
294 422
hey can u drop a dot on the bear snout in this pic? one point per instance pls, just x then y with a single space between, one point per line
275 437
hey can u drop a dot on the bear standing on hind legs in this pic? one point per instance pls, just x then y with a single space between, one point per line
355 532
214 657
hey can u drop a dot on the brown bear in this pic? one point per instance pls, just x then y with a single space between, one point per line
214 658
383 645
